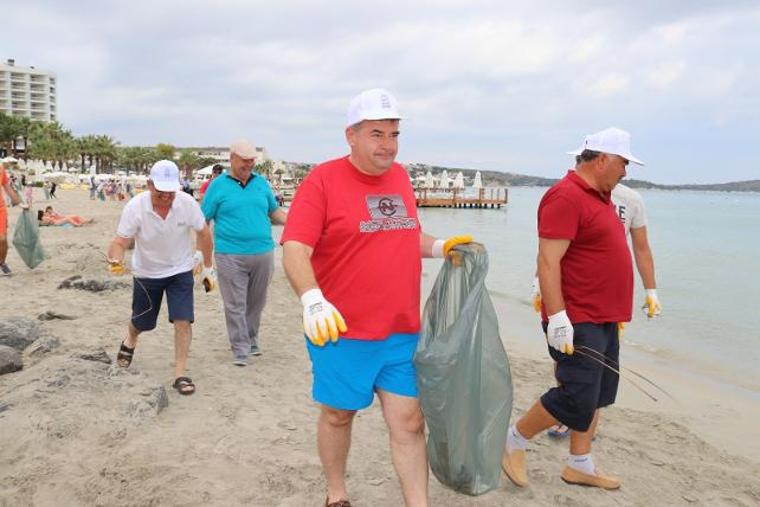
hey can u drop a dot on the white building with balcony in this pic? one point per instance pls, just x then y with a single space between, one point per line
29 92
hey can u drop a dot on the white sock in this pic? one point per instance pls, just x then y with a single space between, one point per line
515 440
582 462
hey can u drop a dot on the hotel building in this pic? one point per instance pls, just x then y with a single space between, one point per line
29 92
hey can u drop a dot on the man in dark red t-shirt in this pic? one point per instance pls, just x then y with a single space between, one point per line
586 278
351 248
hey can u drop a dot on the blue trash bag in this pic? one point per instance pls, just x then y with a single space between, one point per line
463 376
26 239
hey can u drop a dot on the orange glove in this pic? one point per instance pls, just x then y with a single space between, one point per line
535 296
116 267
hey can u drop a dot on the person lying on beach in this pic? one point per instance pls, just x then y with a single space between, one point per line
50 217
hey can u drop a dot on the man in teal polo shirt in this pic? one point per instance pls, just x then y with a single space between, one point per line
243 208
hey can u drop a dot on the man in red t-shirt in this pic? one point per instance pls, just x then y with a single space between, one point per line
586 278
351 248
5 183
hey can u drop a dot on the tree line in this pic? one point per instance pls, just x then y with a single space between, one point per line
54 144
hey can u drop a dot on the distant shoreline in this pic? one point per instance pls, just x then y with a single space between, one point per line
507 179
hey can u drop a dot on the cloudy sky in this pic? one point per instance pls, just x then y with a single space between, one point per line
498 85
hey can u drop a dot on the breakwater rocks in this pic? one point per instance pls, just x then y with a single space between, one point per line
67 393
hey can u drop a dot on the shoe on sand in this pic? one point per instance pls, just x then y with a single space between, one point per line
559 431
240 361
4 269
337 503
598 480
513 464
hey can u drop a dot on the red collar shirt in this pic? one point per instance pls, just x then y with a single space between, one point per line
597 273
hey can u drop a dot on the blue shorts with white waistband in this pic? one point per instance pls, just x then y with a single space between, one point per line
348 372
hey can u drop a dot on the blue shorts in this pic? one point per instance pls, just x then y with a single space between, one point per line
347 373
147 294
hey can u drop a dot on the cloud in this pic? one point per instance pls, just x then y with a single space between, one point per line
665 75
489 84
609 84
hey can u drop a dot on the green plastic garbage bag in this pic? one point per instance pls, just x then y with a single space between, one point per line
26 239
463 376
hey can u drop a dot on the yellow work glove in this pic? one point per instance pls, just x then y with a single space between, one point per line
116 267
208 278
621 329
453 241
321 320
652 307
535 296
442 247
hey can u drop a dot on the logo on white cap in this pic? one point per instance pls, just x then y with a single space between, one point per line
165 176
374 104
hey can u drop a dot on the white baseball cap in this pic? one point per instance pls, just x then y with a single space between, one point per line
612 140
165 176
243 149
374 104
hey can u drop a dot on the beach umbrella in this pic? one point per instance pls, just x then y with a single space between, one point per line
429 183
459 180
477 183
444 181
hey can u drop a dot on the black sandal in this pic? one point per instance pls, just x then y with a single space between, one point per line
184 385
124 357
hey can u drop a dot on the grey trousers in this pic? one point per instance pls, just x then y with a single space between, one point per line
243 283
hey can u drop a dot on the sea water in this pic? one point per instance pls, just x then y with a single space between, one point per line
706 247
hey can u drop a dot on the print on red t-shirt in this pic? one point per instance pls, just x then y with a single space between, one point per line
366 239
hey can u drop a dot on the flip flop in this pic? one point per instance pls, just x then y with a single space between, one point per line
559 431
124 357
184 385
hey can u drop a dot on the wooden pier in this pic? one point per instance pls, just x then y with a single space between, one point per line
493 198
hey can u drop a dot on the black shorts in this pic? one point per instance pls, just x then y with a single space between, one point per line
147 294
584 385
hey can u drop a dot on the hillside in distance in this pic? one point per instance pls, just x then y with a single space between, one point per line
507 179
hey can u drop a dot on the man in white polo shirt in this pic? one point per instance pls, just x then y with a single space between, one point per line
159 221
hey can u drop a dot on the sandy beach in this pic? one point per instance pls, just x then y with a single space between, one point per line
76 430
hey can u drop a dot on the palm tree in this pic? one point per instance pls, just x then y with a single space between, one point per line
188 162
165 151
25 126
86 146
105 152
265 168
9 131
